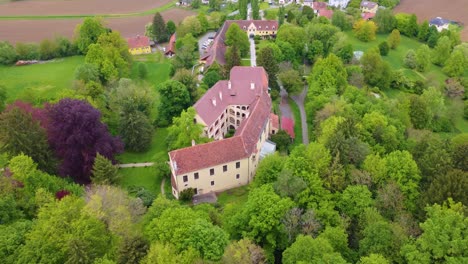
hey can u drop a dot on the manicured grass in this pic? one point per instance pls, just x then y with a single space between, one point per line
45 79
156 152
297 122
237 196
395 57
158 72
141 177
264 5
245 62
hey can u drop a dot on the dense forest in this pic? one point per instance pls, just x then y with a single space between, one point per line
384 178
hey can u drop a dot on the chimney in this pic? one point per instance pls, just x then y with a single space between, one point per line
220 96
252 85
193 142
229 85
213 101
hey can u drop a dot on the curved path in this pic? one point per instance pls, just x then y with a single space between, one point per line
299 99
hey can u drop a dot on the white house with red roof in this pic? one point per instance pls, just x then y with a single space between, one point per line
243 104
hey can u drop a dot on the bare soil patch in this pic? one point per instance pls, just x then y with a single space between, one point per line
456 10
37 30
77 7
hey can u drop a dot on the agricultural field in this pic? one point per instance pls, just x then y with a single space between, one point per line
426 9
35 30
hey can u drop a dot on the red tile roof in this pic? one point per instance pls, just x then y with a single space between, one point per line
171 46
138 42
319 5
274 120
367 16
217 50
325 13
244 141
287 124
368 4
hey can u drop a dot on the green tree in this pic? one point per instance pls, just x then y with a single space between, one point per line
269 169
28 51
243 8
88 33
174 99
211 78
235 36
171 27
340 19
78 238
87 72
291 81
354 199
255 9
104 172
7 53
159 28
232 57
160 253
195 4
384 48
292 34
365 30
132 250
188 79
142 71
394 39
423 58
243 251
289 185
444 236
441 51
281 14
308 249
207 239
419 113
266 59
136 131
376 71
48 49
12 238
452 184
282 140
385 20
455 64
20 133
184 130
423 33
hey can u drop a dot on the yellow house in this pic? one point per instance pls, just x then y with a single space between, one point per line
139 45
369 7
242 104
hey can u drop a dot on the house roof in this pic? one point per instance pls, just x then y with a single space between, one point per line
218 48
287 124
171 46
274 121
215 100
319 5
367 16
368 4
244 141
438 21
325 13
138 42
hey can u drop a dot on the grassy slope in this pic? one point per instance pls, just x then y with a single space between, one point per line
395 59
141 177
156 152
49 77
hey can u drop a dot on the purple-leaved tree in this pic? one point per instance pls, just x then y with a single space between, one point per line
76 134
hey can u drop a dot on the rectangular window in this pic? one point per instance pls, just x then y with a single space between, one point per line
185 178
211 171
212 183
225 168
195 175
237 176
195 190
237 164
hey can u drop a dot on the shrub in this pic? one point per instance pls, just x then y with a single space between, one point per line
384 48
187 195
7 53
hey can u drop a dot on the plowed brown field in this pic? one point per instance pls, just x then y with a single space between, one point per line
456 10
77 7
37 30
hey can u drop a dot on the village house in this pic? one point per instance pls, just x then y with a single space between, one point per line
341 4
243 104
439 23
369 7
262 28
325 13
139 45
170 49
317 6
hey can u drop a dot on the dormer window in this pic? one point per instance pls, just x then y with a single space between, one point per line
259 27
273 27
266 27
244 27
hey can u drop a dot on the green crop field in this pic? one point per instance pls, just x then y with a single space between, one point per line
46 79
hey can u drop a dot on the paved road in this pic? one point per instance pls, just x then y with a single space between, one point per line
299 99
253 55
136 165
285 108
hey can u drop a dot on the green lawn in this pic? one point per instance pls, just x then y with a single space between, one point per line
297 122
157 151
264 5
45 79
235 196
158 70
245 62
141 177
